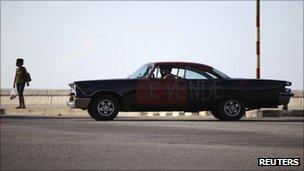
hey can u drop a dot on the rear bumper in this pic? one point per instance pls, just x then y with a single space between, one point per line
284 98
81 103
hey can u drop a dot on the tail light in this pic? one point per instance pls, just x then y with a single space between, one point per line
287 83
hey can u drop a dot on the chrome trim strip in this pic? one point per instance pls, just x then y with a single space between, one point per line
107 90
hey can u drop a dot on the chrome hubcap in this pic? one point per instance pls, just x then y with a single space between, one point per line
105 107
232 107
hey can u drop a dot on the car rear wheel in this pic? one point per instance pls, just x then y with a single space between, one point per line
104 108
230 110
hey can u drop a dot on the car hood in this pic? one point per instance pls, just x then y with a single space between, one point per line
92 86
101 80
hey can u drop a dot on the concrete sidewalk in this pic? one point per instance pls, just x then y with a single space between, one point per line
41 110
52 102
63 110
49 110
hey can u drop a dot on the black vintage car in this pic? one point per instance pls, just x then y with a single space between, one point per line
178 86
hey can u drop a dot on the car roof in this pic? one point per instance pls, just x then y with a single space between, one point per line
184 65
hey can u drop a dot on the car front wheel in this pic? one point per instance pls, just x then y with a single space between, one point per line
104 108
231 109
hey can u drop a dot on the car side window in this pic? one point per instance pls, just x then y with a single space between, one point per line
190 74
181 73
156 73
174 71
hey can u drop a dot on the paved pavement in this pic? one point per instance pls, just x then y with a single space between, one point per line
63 110
161 143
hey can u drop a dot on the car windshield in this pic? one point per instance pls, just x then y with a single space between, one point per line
220 73
140 72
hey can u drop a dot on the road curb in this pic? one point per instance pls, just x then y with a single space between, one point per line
282 113
79 112
43 112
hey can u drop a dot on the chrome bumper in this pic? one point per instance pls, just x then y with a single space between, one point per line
81 103
284 98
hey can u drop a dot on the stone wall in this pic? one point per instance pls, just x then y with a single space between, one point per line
61 96
38 96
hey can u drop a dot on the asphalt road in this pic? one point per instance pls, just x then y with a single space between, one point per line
179 143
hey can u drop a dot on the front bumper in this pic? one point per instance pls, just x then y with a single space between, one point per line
284 98
81 103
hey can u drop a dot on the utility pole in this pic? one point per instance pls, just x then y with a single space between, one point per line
258 39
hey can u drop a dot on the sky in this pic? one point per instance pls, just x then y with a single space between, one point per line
63 41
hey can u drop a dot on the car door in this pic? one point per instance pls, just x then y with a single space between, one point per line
156 93
200 89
